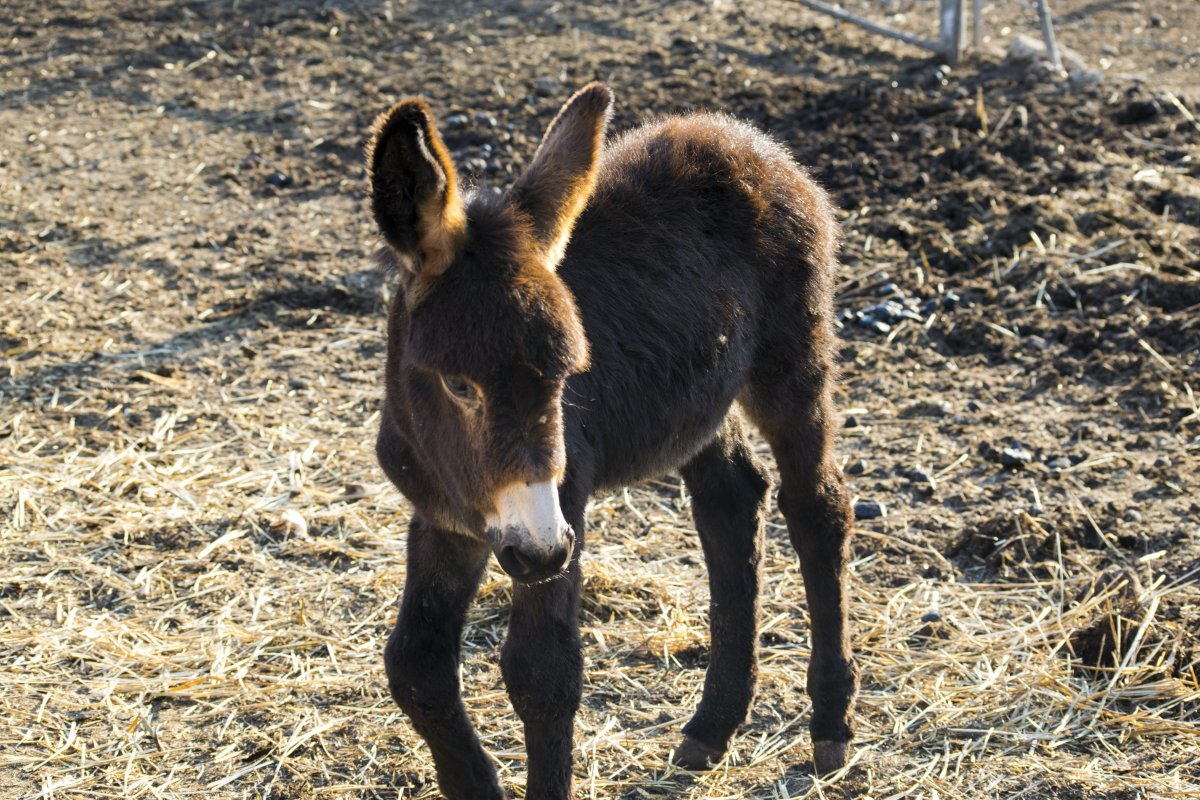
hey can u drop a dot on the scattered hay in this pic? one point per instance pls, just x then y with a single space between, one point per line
180 612
224 637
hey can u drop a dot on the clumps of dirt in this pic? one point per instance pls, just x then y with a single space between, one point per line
1124 617
1003 542
1114 615
1044 543
1118 616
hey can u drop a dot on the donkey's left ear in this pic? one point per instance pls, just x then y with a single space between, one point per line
414 189
558 182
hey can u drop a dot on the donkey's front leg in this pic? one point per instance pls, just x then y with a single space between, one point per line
422 654
543 668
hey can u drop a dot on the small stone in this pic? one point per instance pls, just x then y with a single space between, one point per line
88 71
1037 342
851 422
920 476
869 509
874 325
547 86
937 408
280 179
931 616
889 311
1031 52
1157 21
1162 462
878 326
476 165
286 112
858 467
1138 111
456 121
1015 457
1130 541
950 300
1085 78
973 407
352 492
485 119
1132 515
930 633
1059 463
927 408
889 289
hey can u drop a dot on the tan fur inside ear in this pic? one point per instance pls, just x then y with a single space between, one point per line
443 225
556 187
414 188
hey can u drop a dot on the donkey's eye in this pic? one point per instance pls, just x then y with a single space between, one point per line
459 386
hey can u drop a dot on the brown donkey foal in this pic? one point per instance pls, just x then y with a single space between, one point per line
591 328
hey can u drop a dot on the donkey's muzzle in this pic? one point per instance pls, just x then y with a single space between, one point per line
528 534
533 565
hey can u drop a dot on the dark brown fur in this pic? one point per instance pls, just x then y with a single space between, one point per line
697 278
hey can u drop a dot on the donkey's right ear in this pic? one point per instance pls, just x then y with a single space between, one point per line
414 190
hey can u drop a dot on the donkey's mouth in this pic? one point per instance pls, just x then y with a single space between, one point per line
527 532
527 562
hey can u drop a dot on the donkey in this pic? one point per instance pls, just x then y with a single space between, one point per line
593 327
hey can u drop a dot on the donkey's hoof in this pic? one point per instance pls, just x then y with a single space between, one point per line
696 755
829 756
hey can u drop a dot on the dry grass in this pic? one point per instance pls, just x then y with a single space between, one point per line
198 608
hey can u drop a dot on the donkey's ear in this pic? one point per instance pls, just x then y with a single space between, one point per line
414 190
558 182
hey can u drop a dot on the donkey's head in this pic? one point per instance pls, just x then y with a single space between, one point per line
484 334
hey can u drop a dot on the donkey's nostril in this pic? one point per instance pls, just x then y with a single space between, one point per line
514 562
529 566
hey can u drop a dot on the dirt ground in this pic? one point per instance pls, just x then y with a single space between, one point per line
201 558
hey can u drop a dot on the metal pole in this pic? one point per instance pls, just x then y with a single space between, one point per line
874 27
950 29
976 23
1048 34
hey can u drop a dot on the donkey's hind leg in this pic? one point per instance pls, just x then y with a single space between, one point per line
729 490
816 505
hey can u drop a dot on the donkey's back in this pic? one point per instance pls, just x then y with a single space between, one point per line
711 186
702 266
